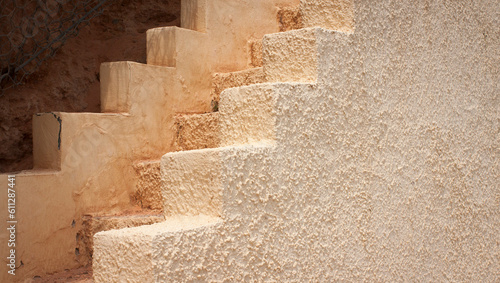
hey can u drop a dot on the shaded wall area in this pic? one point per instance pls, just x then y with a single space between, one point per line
69 82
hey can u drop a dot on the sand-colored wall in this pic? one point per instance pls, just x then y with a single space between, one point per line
385 169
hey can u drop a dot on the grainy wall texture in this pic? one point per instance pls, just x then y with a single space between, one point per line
147 193
195 131
384 167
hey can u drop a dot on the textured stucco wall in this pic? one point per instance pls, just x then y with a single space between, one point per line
132 249
222 81
92 225
386 169
147 188
195 131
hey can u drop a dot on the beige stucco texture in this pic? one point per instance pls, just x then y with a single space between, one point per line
133 247
94 224
382 167
147 188
191 183
196 131
222 81
334 15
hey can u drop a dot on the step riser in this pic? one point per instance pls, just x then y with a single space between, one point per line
255 47
131 255
191 183
247 115
95 224
197 131
291 56
148 186
222 81
123 259
47 129
337 15
123 87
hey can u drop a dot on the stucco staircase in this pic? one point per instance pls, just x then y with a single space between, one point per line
198 131
201 184
87 166
337 168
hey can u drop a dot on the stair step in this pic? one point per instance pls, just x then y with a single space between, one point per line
168 45
123 89
335 15
255 46
196 131
190 178
229 26
222 81
289 18
129 254
191 183
148 187
291 56
64 140
301 55
93 224
247 115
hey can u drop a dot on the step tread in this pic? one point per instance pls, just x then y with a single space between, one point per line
171 224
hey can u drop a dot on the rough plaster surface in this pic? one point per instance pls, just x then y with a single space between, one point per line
330 14
290 18
147 189
193 131
255 52
385 169
197 131
293 58
94 224
191 183
241 122
133 247
222 81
